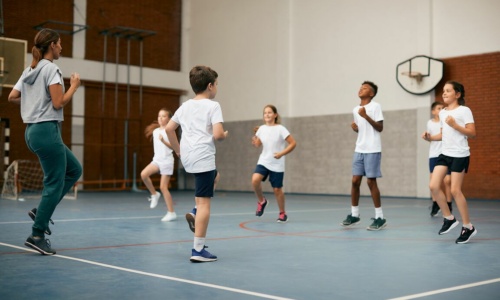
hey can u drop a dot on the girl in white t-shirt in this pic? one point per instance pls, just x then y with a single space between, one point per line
457 125
433 128
163 163
276 142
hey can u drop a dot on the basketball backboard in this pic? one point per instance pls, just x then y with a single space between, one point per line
12 60
420 74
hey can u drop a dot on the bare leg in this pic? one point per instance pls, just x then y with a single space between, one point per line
447 188
148 171
257 186
437 193
202 216
356 183
456 191
280 198
374 191
164 182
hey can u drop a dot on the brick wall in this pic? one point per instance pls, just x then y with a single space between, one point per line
480 75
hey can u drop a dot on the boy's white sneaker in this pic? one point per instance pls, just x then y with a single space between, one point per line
154 200
170 216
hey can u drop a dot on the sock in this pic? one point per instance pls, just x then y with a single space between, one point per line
379 213
355 211
469 226
198 243
451 217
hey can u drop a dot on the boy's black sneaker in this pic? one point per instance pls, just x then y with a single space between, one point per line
465 235
435 209
448 225
32 214
40 244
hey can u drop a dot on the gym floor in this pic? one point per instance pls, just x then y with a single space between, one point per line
113 246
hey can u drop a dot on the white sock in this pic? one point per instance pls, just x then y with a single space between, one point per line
198 243
450 217
469 226
379 213
355 211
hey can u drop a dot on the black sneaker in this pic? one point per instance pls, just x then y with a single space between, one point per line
465 235
260 208
282 218
40 244
449 206
32 214
435 209
350 220
448 225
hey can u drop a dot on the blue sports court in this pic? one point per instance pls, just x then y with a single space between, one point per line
111 245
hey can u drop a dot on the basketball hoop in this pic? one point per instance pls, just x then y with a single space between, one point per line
414 75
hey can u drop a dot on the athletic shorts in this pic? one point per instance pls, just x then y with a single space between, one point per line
454 164
204 184
275 178
166 168
432 164
366 164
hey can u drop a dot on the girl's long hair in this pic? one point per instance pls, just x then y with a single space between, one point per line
148 132
43 39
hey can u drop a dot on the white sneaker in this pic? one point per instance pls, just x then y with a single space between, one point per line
170 216
154 199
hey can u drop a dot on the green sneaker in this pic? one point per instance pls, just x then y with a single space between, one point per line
377 224
350 220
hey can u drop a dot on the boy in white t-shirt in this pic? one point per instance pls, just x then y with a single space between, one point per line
201 121
368 124
434 128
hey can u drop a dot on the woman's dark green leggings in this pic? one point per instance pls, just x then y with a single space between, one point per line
60 167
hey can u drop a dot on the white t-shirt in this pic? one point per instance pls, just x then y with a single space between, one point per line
273 140
197 148
454 143
368 138
163 154
434 128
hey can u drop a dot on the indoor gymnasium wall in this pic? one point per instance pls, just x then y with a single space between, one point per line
309 59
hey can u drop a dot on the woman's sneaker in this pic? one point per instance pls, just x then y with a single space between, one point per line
40 244
465 235
32 214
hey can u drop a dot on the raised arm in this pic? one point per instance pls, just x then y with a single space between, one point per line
218 132
172 137
59 100
291 145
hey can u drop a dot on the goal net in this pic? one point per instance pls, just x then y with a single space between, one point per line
24 180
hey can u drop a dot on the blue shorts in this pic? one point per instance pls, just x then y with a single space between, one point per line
275 178
454 164
432 164
204 184
366 164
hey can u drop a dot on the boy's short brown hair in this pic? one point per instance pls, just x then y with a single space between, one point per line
200 77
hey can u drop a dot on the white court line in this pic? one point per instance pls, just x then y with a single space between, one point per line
214 286
455 288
